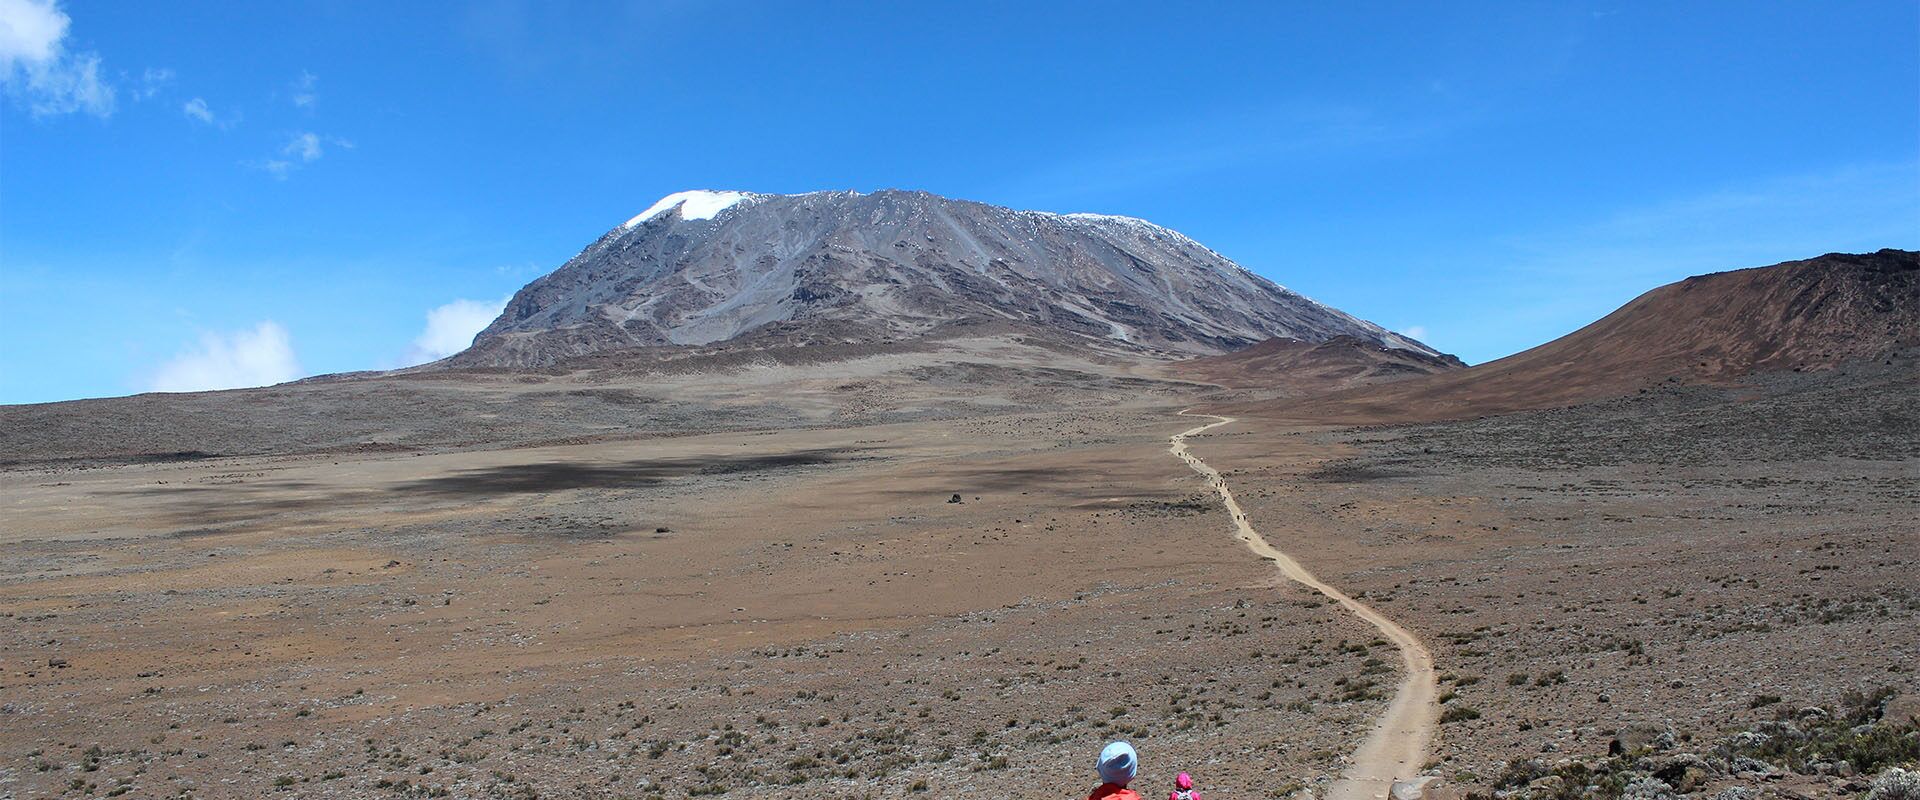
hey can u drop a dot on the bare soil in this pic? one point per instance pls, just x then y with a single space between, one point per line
769 592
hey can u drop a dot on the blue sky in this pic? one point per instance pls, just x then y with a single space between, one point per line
195 193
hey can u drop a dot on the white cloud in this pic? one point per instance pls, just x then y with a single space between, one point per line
304 145
304 148
30 30
36 68
257 357
451 328
303 94
1415 332
151 82
197 109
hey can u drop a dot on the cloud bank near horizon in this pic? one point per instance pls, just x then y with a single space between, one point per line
261 356
451 328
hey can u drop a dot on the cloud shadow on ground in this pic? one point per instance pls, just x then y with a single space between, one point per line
562 475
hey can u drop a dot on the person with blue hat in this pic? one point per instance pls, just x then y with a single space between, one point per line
1117 766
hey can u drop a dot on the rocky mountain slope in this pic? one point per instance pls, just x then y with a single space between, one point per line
704 267
1813 314
1293 365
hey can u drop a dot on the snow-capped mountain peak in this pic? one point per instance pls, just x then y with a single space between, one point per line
701 267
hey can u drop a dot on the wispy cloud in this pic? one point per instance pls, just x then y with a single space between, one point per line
258 357
151 83
1549 281
1851 207
197 109
451 328
36 68
304 95
1161 153
303 148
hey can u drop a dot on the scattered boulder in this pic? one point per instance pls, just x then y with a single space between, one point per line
1896 784
1901 708
954 499
1745 765
1648 788
1685 772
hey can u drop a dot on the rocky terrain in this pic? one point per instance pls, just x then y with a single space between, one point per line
1695 562
959 561
748 614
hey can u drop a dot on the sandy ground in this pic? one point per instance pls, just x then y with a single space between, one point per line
749 611
801 611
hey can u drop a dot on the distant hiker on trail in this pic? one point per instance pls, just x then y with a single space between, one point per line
1183 788
1117 766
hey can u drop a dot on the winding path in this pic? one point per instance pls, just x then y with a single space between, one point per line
1396 748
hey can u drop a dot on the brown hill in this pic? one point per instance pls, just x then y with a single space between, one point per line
1294 366
1717 328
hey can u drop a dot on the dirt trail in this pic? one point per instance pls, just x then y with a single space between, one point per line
1397 746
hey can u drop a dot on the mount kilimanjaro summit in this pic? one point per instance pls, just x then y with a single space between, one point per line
704 267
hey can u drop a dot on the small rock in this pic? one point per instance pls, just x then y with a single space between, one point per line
954 499
1425 787
1636 738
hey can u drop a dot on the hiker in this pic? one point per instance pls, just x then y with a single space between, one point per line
1183 788
1117 766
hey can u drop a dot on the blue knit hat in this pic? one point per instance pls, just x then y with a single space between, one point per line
1118 763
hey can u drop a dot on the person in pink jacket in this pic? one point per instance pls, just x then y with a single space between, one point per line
1183 788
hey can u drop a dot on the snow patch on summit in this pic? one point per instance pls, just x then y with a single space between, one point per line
693 205
1144 226
1109 218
